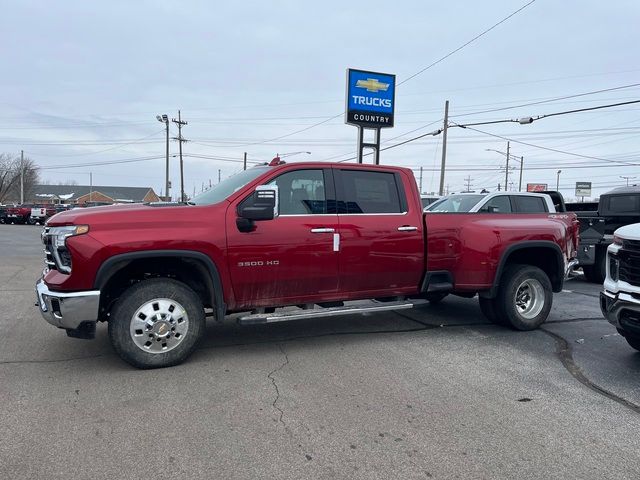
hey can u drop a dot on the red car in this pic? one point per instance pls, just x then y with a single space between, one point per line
317 236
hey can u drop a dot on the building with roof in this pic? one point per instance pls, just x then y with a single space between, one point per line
82 194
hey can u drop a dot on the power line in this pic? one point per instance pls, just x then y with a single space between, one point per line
484 32
548 100
466 43
550 149
108 162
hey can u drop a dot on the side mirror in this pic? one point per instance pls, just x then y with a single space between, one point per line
492 209
262 205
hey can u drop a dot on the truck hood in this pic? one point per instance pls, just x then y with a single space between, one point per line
125 216
629 232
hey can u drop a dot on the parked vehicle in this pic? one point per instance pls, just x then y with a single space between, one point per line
616 208
314 236
3 213
498 202
620 299
40 214
428 199
19 213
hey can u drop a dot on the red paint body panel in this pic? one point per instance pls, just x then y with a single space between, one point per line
282 262
470 245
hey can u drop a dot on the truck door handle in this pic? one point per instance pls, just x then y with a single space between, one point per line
407 228
323 230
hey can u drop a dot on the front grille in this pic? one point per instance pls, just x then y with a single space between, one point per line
629 262
631 245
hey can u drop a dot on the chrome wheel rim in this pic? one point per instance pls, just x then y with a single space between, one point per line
159 325
529 299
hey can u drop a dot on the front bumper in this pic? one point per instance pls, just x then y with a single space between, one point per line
67 310
621 310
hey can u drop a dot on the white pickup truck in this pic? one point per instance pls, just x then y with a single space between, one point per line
498 202
620 299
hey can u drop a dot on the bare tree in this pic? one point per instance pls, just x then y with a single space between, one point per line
10 169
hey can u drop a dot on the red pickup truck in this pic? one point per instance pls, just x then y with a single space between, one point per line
18 213
317 238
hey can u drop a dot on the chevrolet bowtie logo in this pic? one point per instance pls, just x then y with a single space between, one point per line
372 85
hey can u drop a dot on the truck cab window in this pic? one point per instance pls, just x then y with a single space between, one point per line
526 204
369 192
500 204
302 192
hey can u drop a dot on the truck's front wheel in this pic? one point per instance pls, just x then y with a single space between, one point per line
525 299
156 323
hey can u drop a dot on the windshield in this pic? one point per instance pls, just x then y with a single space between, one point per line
228 186
455 203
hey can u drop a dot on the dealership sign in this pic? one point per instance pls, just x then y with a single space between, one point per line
583 189
370 99
537 187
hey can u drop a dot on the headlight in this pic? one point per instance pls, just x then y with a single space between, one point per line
617 240
57 238
60 234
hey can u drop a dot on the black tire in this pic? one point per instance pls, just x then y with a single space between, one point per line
140 296
490 310
633 340
436 297
528 281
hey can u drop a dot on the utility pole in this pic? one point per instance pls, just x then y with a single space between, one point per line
420 180
506 170
444 146
90 186
165 119
627 179
521 167
468 182
219 175
245 161
180 123
21 177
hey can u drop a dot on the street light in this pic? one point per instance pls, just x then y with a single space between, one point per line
558 181
165 119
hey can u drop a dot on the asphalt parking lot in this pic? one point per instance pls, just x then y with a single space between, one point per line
436 392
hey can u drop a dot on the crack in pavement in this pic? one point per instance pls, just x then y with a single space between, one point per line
275 384
565 353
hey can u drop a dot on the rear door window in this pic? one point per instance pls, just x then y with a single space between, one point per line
526 204
370 192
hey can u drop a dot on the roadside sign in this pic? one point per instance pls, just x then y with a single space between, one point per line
583 189
537 187
370 99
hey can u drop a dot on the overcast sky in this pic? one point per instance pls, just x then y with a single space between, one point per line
82 82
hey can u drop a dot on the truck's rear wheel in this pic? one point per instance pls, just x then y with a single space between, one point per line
525 298
156 323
